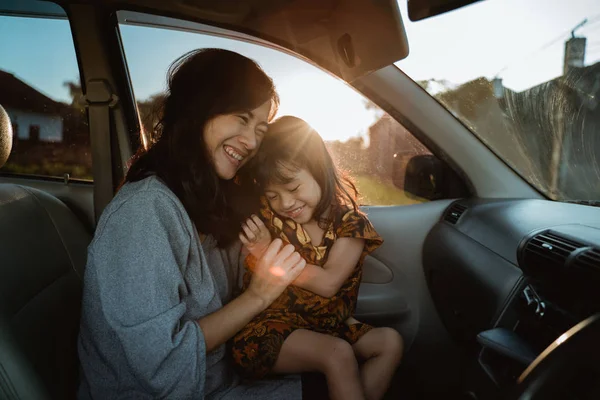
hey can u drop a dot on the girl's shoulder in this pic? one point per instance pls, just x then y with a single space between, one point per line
344 214
350 222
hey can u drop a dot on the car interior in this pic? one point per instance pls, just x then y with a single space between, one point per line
491 280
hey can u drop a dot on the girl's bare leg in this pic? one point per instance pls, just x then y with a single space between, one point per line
307 351
380 349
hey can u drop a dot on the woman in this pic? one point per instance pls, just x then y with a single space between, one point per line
163 265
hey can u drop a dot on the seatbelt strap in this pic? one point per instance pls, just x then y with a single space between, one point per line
99 99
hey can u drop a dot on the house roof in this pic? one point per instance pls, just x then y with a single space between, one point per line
18 95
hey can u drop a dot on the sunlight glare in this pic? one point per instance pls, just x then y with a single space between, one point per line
277 271
330 106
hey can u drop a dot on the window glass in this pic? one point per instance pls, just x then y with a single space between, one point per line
40 90
524 76
366 143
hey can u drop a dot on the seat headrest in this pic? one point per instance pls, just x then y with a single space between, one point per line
6 136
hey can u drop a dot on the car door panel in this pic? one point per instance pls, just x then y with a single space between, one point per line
404 229
405 302
376 272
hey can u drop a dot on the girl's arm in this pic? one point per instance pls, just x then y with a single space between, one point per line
255 236
326 281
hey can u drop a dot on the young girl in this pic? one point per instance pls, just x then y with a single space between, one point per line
310 326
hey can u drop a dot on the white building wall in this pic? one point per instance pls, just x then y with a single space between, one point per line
51 126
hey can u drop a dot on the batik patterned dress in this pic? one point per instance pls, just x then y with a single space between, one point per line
256 347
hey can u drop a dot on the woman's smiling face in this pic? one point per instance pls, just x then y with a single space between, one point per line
232 139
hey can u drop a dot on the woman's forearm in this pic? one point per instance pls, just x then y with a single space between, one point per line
224 323
277 269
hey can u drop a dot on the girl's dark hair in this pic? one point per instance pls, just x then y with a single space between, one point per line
202 84
291 144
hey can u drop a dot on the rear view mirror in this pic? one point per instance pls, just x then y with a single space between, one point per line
421 9
424 177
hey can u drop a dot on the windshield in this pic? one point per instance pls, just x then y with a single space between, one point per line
524 76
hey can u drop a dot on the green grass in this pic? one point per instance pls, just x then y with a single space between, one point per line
50 169
374 192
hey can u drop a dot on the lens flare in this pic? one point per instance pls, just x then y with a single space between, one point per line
277 271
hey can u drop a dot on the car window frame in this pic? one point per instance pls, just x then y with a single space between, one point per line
47 10
130 16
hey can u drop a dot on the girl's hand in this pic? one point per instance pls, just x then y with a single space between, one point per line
255 236
275 270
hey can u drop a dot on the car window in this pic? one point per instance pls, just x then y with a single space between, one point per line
524 76
365 142
40 90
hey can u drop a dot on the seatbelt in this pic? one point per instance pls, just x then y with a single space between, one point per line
99 99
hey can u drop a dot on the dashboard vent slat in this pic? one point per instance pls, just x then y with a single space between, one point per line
454 212
550 256
547 250
561 241
589 259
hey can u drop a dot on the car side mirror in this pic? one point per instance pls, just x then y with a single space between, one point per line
424 177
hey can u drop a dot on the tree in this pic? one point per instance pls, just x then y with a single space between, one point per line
424 84
77 100
150 111
75 129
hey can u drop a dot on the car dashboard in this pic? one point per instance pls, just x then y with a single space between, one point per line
510 276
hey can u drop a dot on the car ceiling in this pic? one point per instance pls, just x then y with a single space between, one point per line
350 38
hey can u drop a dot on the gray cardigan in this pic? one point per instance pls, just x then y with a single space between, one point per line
147 280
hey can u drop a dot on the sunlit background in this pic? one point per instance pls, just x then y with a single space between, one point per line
521 41
498 65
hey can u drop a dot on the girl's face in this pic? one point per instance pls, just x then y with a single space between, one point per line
296 199
233 139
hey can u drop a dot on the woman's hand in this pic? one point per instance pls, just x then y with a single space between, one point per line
255 236
275 270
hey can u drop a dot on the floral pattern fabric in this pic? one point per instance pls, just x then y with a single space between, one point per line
256 347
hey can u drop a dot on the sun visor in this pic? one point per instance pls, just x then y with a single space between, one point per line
350 38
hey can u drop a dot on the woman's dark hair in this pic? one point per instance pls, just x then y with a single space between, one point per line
290 145
202 84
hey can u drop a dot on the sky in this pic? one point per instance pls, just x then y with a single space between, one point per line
520 41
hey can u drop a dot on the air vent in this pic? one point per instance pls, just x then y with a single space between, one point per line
454 212
589 259
548 250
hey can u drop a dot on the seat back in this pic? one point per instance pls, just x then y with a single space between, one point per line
42 256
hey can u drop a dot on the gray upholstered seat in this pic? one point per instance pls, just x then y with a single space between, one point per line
42 255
